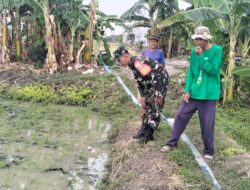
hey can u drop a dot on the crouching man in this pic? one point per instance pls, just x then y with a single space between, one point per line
152 82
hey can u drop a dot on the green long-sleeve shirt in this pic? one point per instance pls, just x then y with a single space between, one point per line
203 78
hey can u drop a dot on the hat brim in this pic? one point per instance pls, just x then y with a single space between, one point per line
208 37
154 38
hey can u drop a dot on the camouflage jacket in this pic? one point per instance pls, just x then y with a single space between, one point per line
157 79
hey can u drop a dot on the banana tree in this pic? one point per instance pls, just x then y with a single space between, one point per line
244 46
148 13
104 22
20 9
14 12
244 39
75 19
89 31
144 14
50 33
242 71
5 52
18 35
228 15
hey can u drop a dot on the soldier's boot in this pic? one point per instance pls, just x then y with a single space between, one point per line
147 137
151 134
138 134
151 137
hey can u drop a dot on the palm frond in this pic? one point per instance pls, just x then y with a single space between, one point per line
198 14
242 71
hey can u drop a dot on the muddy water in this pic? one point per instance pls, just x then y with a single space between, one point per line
51 147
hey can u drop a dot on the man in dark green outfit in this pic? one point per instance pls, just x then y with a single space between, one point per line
201 92
152 82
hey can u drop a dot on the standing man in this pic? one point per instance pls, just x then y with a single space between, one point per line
201 92
152 83
153 52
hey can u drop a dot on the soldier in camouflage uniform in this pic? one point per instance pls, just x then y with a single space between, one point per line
152 82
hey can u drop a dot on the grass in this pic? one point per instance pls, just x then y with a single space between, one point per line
187 167
225 150
237 127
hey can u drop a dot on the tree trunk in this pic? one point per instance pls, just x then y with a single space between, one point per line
89 46
29 34
178 47
71 48
51 62
18 37
89 32
13 31
231 66
5 55
79 53
170 41
61 43
224 95
152 25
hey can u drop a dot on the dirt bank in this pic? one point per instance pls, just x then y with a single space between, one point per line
135 167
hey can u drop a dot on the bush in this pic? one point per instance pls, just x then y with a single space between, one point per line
33 92
242 86
75 95
72 95
101 94
37 54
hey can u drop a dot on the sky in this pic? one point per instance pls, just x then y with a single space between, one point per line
118 7
114 7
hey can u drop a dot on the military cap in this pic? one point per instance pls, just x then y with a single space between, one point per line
119 51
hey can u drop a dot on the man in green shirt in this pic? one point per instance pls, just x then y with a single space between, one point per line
201 92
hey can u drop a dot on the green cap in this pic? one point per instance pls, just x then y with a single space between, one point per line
119 51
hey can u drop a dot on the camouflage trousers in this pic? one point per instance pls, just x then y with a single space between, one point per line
152 113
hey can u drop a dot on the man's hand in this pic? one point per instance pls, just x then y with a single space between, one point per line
142 101
186 97
199 50
158 100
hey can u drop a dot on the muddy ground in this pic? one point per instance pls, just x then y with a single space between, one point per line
51 147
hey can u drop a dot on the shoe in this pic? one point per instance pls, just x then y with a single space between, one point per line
151 137
144 135
136 136
143 140
166 149
208 157
139 134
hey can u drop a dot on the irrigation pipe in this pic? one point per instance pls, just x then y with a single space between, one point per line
198 157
